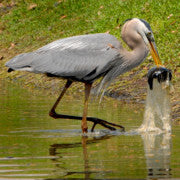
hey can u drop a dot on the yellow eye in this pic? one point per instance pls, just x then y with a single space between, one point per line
149 33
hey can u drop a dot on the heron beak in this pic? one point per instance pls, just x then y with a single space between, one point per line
154 53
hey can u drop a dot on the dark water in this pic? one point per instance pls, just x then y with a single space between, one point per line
35 146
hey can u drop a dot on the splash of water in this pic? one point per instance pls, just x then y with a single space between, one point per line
157 116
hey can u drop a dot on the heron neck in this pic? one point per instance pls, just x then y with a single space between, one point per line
136 56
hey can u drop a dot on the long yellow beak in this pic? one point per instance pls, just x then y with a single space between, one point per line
154 54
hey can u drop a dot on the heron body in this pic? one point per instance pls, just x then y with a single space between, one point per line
82 58
86 58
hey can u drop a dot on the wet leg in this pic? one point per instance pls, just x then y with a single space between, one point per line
52 112
84 118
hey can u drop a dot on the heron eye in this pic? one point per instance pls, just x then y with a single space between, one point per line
149 33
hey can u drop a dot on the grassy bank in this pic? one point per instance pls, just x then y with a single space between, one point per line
28 25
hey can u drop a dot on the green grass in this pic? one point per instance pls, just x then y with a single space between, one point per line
31 28
24 29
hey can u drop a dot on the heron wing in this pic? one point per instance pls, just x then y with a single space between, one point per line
84 57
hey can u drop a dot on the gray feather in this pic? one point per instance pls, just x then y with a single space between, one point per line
83 58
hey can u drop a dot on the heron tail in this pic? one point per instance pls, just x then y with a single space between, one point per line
20 62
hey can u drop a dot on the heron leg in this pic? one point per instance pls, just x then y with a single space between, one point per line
84 118
52 112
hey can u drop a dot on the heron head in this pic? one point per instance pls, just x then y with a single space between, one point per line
134 30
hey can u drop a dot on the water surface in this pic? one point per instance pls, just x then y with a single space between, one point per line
36 146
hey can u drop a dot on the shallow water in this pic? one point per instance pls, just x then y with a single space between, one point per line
35 146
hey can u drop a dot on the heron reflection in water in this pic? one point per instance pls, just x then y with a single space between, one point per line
86 58
157 157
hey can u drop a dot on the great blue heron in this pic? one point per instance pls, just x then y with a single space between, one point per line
86 58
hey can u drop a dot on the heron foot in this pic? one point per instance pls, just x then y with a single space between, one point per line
53 114
85 130
84 127
106 124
